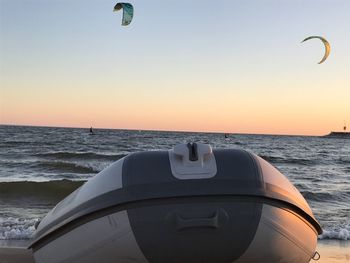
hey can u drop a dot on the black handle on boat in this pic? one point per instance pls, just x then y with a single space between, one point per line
208 222
192 152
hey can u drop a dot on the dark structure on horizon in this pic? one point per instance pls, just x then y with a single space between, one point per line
343 134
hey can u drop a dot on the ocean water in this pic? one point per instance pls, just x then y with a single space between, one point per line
40 165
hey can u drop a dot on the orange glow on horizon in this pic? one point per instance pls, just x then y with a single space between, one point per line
269 111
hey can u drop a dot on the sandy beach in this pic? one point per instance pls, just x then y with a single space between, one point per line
331 251
15 255
334 251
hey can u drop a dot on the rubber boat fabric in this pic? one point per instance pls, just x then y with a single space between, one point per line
189 204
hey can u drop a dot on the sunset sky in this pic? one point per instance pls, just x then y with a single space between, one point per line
222 66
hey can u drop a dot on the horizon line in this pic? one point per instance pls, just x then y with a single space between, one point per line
154 130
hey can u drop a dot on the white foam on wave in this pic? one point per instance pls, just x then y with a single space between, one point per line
97 166
16 228
340 233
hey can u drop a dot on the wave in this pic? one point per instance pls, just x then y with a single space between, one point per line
316 196
272 159
325 196
28 190
21 229
24 142
15 228
299 161
343 160
80 156
66 167
339 233
56 168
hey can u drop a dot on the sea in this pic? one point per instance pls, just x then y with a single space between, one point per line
39 166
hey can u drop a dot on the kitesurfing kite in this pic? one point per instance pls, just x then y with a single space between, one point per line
326 45
128 12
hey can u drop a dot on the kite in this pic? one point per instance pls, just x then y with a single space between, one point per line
128 12
326 45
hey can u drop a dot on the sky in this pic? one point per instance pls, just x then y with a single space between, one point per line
219 66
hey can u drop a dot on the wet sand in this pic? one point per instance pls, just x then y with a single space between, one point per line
334 251
16 255
331 252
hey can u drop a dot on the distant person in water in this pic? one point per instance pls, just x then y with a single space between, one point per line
91 131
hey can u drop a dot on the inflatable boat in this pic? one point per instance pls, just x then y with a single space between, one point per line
189 204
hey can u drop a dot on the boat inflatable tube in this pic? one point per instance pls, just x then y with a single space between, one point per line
189 204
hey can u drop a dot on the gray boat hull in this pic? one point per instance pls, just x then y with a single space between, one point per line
221 206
